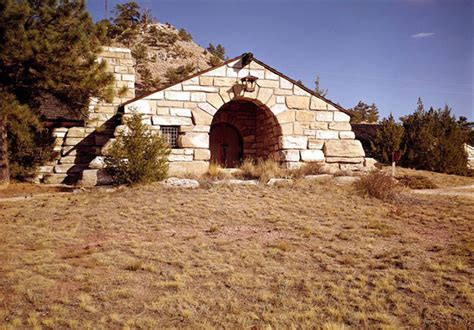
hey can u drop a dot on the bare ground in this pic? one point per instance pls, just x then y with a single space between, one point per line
308 255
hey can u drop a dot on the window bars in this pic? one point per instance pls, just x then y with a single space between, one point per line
169 134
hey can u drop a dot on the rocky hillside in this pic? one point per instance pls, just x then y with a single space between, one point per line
164 55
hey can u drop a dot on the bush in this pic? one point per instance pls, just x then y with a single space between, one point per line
184 35
262 169
379 185
138 155
311 168
175 75
416 182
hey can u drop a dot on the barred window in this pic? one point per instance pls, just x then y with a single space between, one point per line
170 135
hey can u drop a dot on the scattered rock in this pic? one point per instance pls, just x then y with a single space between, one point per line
97 163
278 181
238 182
345 179
181 183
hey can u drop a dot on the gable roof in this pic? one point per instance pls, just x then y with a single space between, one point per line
266 66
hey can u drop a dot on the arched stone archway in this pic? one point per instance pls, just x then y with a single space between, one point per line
257 125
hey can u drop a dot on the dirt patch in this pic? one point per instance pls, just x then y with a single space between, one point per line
29 189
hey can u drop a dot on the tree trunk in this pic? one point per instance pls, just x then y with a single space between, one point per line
4 173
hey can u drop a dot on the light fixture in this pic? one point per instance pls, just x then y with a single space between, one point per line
249 83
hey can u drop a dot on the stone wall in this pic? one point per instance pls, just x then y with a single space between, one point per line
4 175
302 128
76 147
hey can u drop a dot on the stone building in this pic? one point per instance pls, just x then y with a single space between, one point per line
239 109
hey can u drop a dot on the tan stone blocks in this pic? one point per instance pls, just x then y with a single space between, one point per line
355 160
327 135
218 72
346 135
224 81
191 81
343 148
293 142
285 84
318 104
341 117
194 140
207 108
198 97
177 96
201 117
173 104
215 100
299 127
197 88
299 91
290 155
312 155
297 102
268 83
237 73
120 69
283 92
139 106
128 77
194 167
201 128
302 115
162 111
264 95
202 154
315 144
287 128
324 116
206 81
180 158
270 75
170 121
319 125
177 87
180 112
285 116
340 126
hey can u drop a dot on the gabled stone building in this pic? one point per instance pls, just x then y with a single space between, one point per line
239 109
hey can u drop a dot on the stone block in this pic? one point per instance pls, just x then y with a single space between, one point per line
97 163
180 158
293 142
171 121
315 144
198 97
215 100
347 135
324 116
128 77
217 72
194 140
279 108
177 96
327 135
201 128
180 112
286 116
76 132
181 183
140 106
268 83
285 84
264 95
303 115
297 102
340 126
312 155
287 128
172 104
197 88
370 163
224 82
207 108
290 155
202 154
155 96
318 104
55 178
201 117
206 81
343 148
341 117
299 91
271 76
319 125
183 168
348 160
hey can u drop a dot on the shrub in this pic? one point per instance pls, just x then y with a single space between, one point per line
379 185
184 35
388 139
215 172
177 74
138 155
416 182
262 169
311 168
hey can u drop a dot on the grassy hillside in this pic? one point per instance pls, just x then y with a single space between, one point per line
312 254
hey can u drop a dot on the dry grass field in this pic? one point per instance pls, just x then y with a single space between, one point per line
307 255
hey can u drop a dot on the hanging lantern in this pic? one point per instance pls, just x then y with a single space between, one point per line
249 83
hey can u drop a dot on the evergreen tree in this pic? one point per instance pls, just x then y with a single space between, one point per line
364 113
218 51
318 90
126 22
388 140
46 47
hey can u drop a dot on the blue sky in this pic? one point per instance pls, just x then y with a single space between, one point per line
386 52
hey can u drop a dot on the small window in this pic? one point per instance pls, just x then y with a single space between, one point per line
170 135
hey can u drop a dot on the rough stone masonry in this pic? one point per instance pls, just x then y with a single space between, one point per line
279 118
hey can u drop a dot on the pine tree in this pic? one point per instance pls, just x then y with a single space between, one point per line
388 140
126 22
46 47
372 114
218 51
318 90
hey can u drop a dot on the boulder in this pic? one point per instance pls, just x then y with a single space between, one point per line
97 163
312 155
181 183
343 148
278 182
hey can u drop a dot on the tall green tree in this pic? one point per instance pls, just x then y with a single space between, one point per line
126 22
317 88
388 139
46 47
364 113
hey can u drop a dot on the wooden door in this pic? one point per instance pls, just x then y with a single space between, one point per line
226 145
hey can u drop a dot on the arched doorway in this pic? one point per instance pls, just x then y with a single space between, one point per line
243 128
226 145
